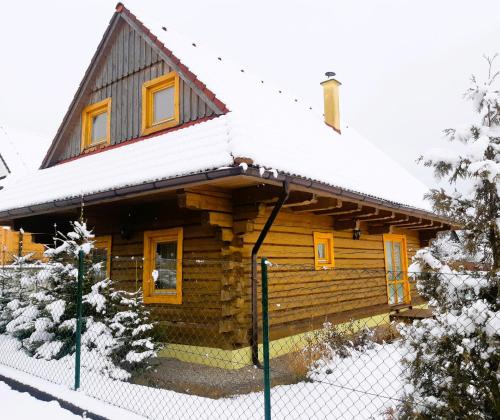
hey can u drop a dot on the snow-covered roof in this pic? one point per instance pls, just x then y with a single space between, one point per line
264 124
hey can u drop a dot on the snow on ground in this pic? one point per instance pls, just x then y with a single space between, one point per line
359 387
22 406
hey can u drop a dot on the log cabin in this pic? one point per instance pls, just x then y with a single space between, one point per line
179 154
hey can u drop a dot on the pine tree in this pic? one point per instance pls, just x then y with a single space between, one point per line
472 167
453 362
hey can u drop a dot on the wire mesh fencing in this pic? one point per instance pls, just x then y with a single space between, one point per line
364 343
336 348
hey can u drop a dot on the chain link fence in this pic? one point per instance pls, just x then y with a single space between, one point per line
330 345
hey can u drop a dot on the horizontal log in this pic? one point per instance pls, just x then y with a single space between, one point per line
198 201
217 219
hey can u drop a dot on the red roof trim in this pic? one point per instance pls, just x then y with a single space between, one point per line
120 8
138 139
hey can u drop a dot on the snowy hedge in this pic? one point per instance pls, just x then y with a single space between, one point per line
116 327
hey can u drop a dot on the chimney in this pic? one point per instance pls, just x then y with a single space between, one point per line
331 98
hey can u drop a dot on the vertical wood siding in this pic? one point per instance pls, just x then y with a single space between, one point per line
130 62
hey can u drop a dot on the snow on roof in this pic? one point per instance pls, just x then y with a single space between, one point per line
264 124
277 130
193 149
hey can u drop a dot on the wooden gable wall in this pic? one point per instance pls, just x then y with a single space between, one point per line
129 62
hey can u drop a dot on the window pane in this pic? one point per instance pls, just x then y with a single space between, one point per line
100 256
99 123
322 251
388 259
397 261
166 266
163 104
392 293
400 292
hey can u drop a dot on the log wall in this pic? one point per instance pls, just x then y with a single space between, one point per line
302 298
219 234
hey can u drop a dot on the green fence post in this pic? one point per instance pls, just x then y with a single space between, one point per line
79 319
265 341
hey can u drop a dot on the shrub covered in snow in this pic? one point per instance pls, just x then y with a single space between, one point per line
116 329
453 360
17 281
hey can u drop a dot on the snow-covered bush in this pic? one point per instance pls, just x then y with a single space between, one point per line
340 340
18 281
452 361
116 329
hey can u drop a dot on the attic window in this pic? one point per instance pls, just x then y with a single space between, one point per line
96 124
160 103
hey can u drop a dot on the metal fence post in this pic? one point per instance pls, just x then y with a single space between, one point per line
265 341
78 338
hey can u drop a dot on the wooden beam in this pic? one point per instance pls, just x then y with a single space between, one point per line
346 224
197 201
431 225
379 229
322 203
346 208
356 214
225 234
412 222
382 215
249 211
399 219
243 226
299 198
352 220
261 193
217 219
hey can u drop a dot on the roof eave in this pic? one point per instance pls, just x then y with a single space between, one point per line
212 175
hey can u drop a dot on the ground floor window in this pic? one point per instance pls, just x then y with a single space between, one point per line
162 276
396 266
101 254
323 250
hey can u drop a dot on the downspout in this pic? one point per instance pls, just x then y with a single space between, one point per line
255 315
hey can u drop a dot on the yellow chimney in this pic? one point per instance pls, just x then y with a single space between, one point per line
331 98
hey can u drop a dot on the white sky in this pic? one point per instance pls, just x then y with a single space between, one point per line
403 64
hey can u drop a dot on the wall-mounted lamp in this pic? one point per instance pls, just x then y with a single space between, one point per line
356 234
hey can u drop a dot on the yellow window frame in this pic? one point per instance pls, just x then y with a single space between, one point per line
151 239
325 238
88 114
104 242
404 267
148 89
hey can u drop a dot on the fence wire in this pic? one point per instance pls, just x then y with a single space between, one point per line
335 348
